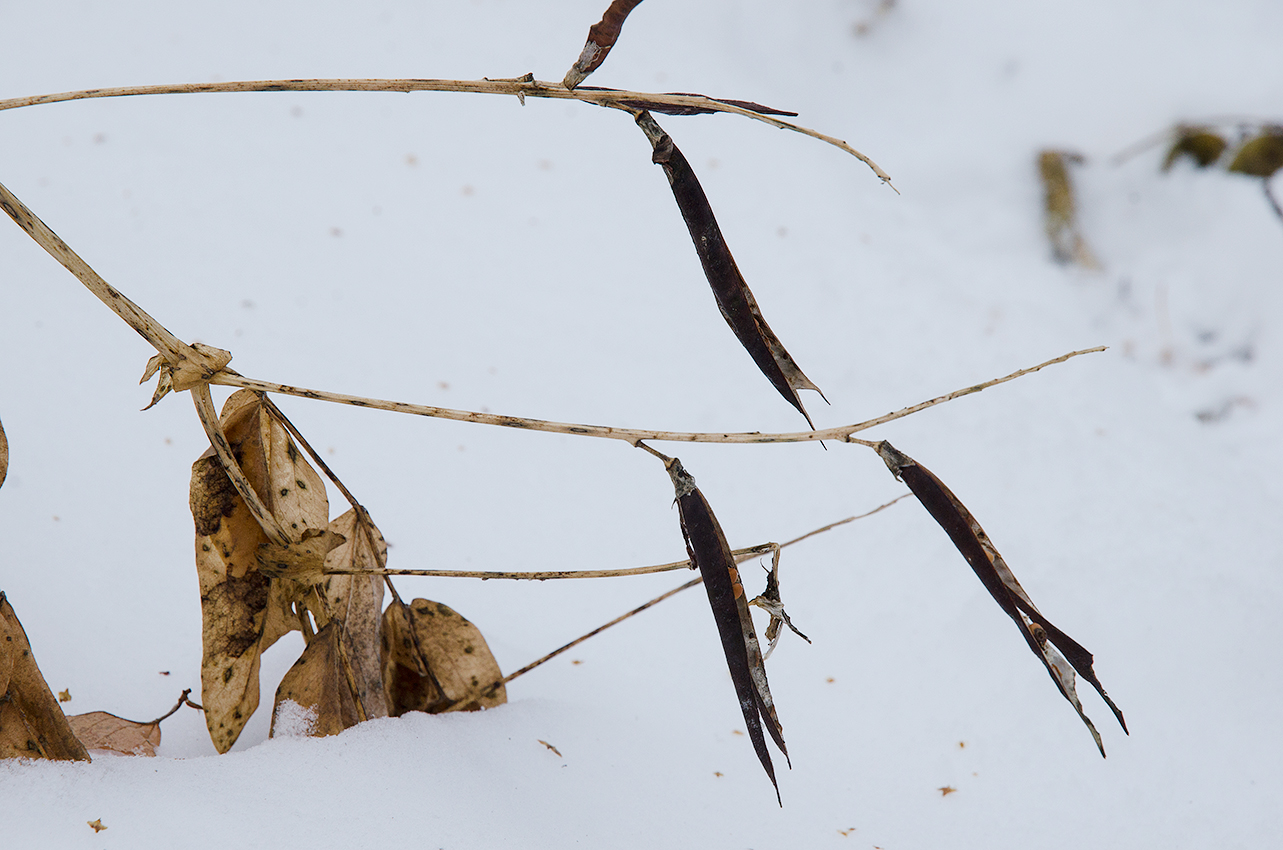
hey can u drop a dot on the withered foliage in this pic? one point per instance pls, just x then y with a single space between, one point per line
1060 210
1261 155
99 730
601 38
1198 144
708 550
245 610
4 455
435 660
32 724
322 680
1043 638
690 109
734 299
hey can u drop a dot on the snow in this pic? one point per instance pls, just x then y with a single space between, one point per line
466 251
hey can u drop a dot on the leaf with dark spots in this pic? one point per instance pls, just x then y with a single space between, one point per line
320 681
32 724
708 550
601 38
734 299
436 661
1044 639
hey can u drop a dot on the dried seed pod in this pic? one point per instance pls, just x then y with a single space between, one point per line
601 38
734 299
1041 636
1197 143
708 550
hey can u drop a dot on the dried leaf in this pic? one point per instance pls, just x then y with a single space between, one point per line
4 455
1060 215
674 109
319 681
975 546
32 724
97 825
99 730
708 550
601 38
771 603
357 601
734 299
244 610
434 660
1196 143
1260 156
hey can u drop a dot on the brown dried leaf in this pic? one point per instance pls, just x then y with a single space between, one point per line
244 610
708 550
1060 214
32 724
974 544
675 109
357 601
601 38
434 660
99 730
1198 144
4 455
1262 155
318 682
734 299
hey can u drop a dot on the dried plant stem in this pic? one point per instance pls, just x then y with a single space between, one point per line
280 417
190 364
519 87
217 439
842 433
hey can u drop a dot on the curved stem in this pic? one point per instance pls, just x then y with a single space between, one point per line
842 433
520 87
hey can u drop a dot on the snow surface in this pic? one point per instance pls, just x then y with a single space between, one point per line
469 252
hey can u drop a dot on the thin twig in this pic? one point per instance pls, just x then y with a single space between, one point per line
834 525
520 87
485 575
182 700
312 453
1269 196
842 433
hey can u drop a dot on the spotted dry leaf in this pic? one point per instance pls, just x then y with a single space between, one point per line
434 660
708 550
4 455
601 38
734 299
245 610
1044 639
322 682
99 730
32 724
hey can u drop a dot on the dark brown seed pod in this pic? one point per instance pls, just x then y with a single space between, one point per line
734 299
708 550
601 38
993 572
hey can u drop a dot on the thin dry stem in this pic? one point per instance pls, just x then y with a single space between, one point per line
190 364
520 87
217 439
842 433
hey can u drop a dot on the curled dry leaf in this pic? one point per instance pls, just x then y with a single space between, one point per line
708 550
1260 156
32 724
4 455
734 299
244 610
1060 213
99 730
321 682
771 603
601 38
434 660
1198 144
975 546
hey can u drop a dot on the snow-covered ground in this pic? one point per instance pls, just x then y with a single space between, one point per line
466 251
